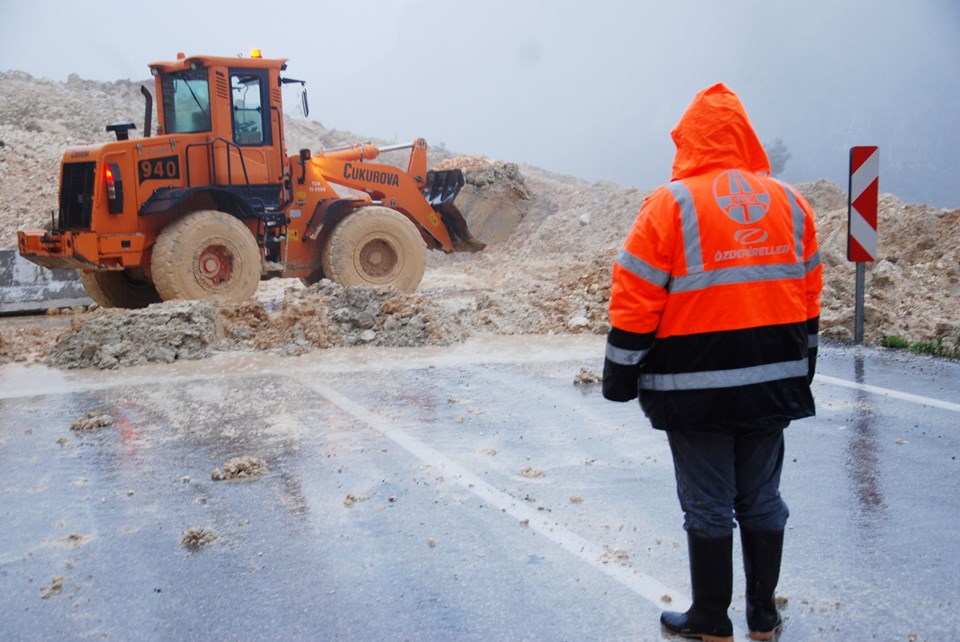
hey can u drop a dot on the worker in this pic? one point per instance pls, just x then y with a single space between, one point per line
714 315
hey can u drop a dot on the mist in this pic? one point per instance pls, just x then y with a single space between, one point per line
590 90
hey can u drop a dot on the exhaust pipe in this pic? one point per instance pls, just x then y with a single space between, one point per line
148 111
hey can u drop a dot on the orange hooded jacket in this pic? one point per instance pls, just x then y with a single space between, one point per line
715 300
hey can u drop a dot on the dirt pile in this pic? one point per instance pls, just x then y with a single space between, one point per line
321 316
326 314
550 274
26 344
912 290
553 273
110 338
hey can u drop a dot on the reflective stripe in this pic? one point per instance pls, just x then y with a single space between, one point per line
690 225
725 378
799 221
640 268
810 264
625 357
813 340
745 274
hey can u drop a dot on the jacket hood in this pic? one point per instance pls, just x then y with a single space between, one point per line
715 133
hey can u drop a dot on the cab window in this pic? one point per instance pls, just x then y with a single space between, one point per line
251 113
186 101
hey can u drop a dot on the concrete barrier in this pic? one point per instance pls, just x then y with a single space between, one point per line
27 287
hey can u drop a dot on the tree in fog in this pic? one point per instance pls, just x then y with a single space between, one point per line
778 155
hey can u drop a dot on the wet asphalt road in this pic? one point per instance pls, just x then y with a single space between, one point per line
464 493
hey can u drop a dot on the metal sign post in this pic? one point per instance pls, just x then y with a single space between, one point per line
858 306
862 221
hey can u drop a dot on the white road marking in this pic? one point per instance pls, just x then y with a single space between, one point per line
643 585
887 392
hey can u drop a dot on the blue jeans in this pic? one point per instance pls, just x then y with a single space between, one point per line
722 475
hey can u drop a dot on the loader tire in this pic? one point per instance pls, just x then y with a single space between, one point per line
375 246
206 256
119 289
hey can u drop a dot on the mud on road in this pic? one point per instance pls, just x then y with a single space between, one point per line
478 491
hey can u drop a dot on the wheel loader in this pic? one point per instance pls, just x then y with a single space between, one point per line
211 204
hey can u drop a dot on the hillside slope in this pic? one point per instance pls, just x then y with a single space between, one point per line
551 275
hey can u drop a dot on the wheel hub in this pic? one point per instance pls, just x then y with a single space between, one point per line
215 265
378 258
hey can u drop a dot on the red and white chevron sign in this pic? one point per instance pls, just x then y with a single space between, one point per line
864 189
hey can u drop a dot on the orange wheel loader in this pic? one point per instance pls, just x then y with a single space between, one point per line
211 204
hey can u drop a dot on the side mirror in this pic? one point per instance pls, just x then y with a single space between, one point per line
303 102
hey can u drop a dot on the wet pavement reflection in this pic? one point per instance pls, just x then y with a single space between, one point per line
863 450
463 493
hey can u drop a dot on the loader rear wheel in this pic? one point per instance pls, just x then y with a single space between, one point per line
376 246
207 256
119 289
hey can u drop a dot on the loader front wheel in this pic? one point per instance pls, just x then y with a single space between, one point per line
207 256
375 246
119 289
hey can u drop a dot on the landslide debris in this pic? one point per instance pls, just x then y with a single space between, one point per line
328 315
912 289
111 337
587 377
549 274
196 538
244 467
324 315
91 422
56 586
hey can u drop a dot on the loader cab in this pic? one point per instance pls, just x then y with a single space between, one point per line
225 116
232 98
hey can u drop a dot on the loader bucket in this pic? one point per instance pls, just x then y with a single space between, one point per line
484 214
441 192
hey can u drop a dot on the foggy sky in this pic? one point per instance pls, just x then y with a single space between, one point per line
589 89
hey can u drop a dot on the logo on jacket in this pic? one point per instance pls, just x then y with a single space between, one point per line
741 201
750 235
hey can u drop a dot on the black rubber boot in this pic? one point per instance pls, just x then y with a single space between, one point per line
762 551
711 573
